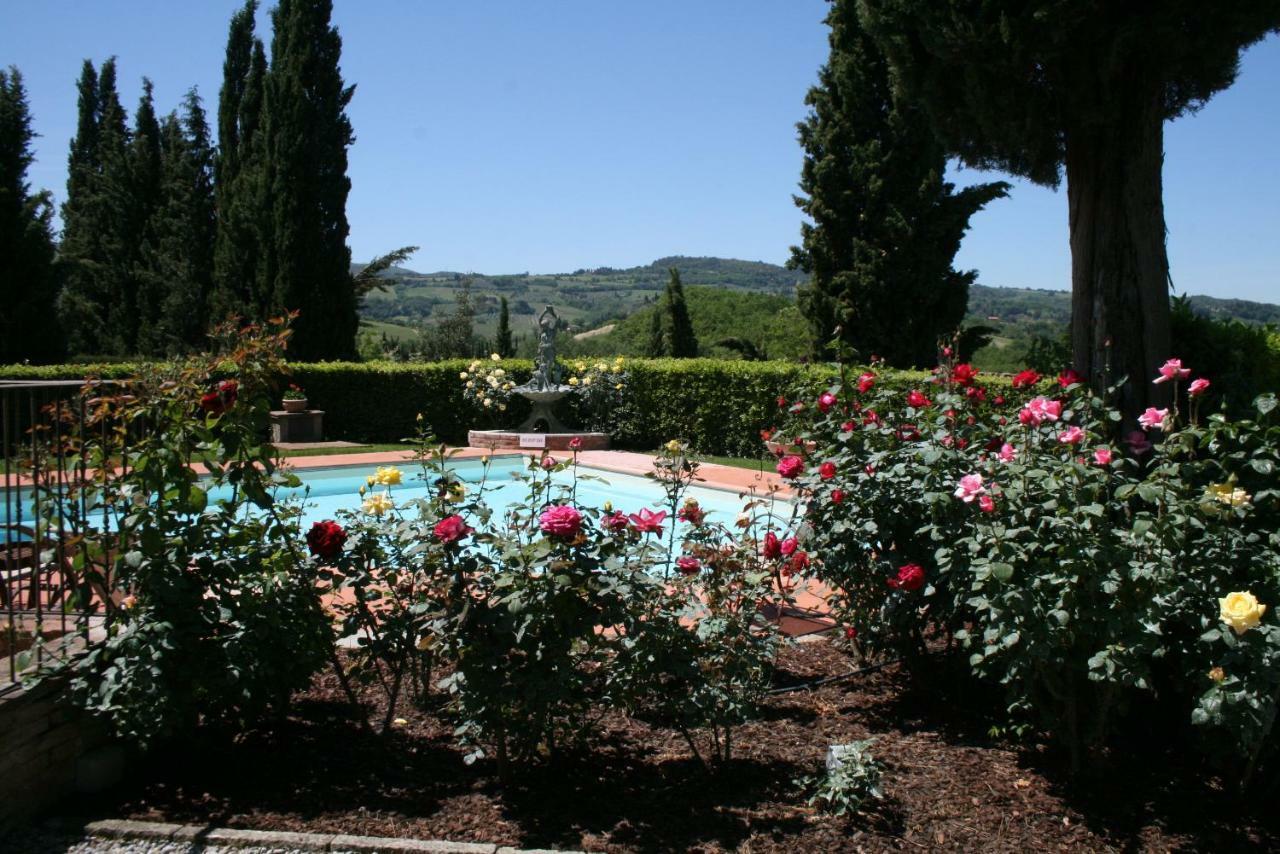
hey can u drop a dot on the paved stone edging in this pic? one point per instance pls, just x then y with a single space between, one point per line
225 837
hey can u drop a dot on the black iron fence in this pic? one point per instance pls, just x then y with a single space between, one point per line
56 588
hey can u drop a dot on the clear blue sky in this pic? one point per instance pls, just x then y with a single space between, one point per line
506 136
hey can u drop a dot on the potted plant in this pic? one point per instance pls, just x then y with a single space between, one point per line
295 399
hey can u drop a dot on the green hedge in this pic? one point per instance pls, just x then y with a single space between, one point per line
718 406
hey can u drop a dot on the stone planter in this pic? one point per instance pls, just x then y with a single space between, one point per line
295 405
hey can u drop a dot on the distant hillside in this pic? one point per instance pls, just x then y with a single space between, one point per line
591 298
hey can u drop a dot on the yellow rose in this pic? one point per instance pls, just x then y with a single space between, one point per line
495 357
618 387
457 492
470 384
573 380
499 373
601 366
587 381
462 376
1241 611
1217 674
378 503
674 446
608 507
387 476
1225 493
488 401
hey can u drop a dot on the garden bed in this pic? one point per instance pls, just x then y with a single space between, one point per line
948 784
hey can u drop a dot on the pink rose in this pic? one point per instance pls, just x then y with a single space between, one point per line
1172 370
560 520
1138 443
789 546
790 466
548 463
1153 419
1073 435
1039 410
1102 456
575 444
987 504
450 529
1198 387
826 401
971 486
648 522
1007 452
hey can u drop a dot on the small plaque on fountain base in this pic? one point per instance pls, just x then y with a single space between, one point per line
514 440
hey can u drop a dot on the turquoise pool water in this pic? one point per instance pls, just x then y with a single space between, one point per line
326 491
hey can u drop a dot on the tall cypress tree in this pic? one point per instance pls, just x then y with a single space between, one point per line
307 135
144 292
240 176
677 330
28 282
1082 88
503 344
97 240
180 259
655 346
885 226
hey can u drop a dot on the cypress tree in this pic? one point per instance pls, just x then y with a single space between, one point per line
655 346
97 240
680 341
28 282
144 292
307 135
1085 87
503 344
885 226
180 260
239 286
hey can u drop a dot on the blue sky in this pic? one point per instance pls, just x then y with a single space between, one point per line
506 136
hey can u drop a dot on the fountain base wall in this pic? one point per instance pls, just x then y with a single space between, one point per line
510 440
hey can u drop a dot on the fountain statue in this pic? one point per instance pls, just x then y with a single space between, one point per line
541 429
543 389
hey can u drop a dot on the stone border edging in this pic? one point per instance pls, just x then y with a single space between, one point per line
197 834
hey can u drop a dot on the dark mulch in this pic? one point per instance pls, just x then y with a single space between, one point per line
949 785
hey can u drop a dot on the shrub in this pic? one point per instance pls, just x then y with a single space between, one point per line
1078 570
216 617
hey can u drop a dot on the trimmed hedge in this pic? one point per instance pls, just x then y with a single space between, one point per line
716 405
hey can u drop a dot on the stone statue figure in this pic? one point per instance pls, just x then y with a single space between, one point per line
546 374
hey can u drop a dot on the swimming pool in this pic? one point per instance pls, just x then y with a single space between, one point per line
327 490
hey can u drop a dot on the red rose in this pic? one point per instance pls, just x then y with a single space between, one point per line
964 374
827 470
850 632
691 513
221 399
790 466
325 539
688 565
615 521
450 529
826 401
986 503
837 496
766 434
789 546
910 577
575 444
1069 378
799 562
772 548
782 402
872 417
647 521
865 382
1025 379
848 426
917 400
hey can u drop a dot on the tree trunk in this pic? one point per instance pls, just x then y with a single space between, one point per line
1119 266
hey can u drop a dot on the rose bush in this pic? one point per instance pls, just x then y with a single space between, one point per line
1077 570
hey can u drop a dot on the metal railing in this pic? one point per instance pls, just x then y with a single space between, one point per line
55 574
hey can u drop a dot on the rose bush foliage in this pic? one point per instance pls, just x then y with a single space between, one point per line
1077 562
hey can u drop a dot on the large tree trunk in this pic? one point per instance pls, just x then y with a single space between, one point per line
1119 267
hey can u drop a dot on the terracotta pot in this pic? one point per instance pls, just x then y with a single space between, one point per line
295 405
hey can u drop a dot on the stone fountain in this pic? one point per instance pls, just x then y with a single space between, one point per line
543 390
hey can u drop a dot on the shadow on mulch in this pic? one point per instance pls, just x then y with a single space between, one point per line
948 783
